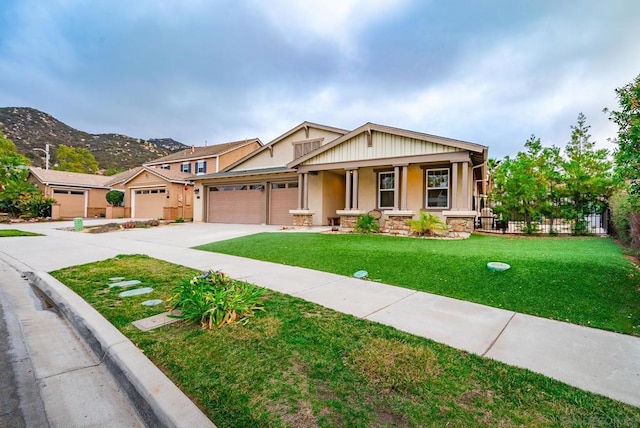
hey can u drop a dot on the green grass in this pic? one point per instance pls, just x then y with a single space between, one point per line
585 281
299 364
7 233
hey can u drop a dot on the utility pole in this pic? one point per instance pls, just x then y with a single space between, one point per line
46 153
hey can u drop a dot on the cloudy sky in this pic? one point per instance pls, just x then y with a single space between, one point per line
488 71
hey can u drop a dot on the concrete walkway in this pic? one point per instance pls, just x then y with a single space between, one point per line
594 360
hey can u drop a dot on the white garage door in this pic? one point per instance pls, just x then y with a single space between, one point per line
284 197
236 204
149 203
72 202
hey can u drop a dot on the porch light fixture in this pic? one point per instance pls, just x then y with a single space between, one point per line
196 191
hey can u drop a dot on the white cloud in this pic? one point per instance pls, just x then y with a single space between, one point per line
335 21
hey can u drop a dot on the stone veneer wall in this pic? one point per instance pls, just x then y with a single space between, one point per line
304 220
348 222
461 224
397 225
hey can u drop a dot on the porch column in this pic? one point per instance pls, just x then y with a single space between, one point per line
403 188
454 186
305 191
354 196
465 185
300 189
396 187
347 193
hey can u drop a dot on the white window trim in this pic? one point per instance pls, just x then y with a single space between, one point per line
392 172
201 163
187 165
426 184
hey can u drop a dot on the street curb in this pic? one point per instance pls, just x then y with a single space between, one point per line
158 401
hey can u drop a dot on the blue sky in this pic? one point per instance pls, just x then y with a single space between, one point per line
489 72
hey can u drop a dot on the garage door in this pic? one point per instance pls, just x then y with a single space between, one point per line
236 204
72 202
284 197
149 203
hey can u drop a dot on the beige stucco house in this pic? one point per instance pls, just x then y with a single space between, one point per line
318 175
76 195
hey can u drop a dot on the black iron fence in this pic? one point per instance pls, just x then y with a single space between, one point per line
491 218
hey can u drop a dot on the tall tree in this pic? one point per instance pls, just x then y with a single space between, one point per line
627 156
521 184
14 169
76 159
588 175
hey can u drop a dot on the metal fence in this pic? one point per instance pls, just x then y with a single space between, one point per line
596 222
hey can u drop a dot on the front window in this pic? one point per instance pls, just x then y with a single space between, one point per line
201 167
185 167
386 190
438 188
166 166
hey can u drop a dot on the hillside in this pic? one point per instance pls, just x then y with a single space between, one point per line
30 128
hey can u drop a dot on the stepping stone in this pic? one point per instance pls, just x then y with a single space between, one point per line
155 321
116 278
153 302
136 292
125 284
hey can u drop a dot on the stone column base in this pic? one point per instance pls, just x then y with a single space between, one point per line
460 221
396 222
302 218
349 218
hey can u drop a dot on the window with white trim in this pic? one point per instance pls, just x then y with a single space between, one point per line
438 188
201 167
165 166
386 189
185 167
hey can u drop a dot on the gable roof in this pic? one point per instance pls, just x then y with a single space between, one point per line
303 125
166 174
369 127
123 176
196 153
66 178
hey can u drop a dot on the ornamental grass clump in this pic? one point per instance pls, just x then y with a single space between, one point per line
213 300
427 225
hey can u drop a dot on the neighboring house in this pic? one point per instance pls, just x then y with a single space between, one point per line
162 188
76 195
207 159
316 175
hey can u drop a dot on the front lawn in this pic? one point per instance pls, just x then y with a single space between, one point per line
299 364
7 233
581 280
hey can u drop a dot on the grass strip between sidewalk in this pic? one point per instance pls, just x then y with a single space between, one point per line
299 364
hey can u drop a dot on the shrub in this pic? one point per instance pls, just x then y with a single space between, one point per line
179 220
35 205
129 224
427 224
115 198
213 300
620 216
367 224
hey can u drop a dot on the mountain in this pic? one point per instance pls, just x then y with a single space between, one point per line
30 129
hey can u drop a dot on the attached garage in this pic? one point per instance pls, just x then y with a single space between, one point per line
148 203
242 204
284 197
73 203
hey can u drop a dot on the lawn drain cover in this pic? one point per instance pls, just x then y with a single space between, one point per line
361 274
153 302
136 292
497 266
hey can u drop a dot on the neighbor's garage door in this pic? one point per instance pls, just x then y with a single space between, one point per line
72 202
149 203
236 204
284 197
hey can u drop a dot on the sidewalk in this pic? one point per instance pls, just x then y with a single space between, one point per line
594 360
